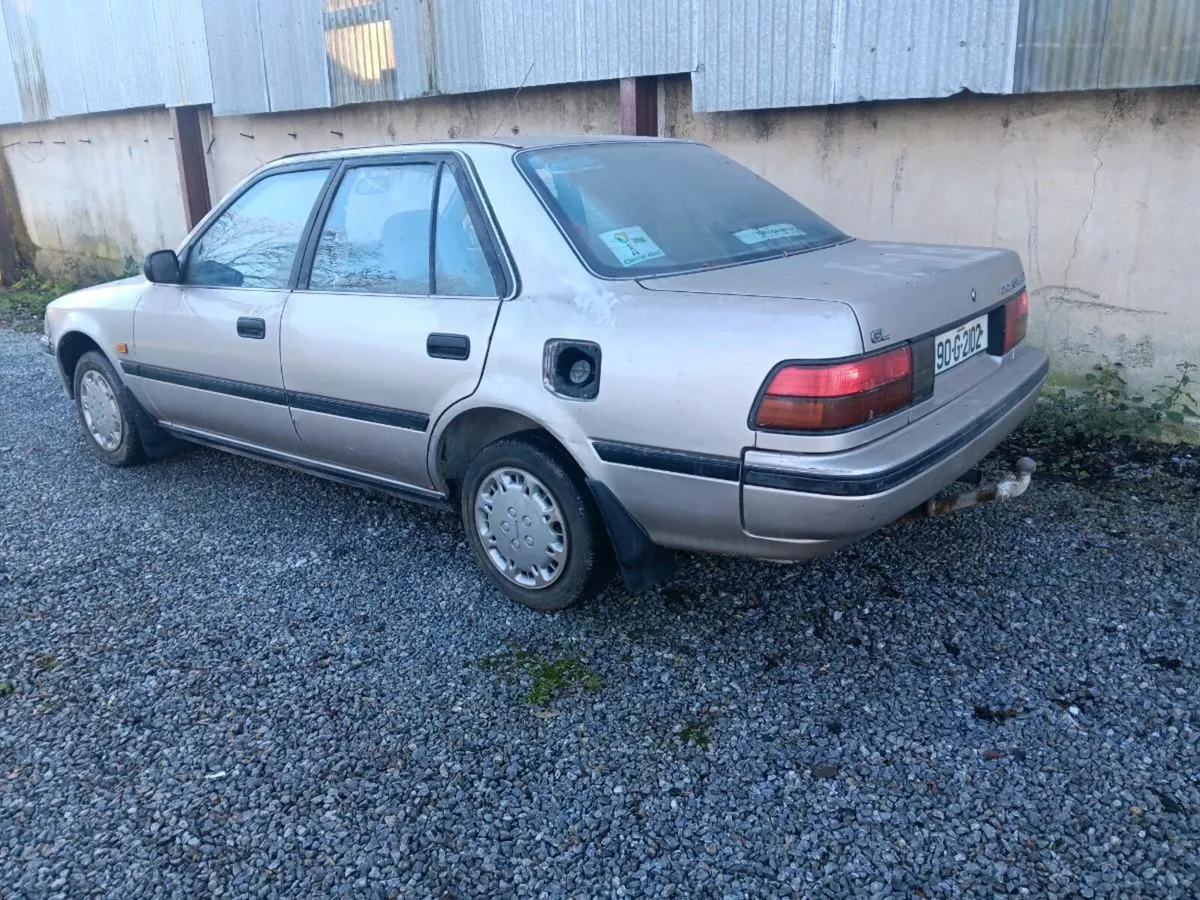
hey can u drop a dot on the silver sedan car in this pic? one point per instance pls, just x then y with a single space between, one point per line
596 350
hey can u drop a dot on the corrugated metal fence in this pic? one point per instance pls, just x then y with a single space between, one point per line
69 57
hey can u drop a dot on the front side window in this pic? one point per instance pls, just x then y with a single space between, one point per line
376 237
253 243
633 209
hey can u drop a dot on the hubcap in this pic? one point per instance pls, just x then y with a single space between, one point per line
101 414
522 528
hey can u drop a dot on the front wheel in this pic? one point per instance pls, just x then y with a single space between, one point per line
533 526
105 414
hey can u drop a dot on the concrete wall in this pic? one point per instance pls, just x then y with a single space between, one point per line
1097 191
92 190
242 143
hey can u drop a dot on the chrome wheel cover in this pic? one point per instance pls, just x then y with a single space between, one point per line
522 528
101 413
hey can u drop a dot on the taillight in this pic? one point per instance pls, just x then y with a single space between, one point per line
831 397
1016 320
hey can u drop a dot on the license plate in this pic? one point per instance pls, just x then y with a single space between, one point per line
952 347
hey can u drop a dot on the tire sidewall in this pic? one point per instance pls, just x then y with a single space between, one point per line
129 450
583 571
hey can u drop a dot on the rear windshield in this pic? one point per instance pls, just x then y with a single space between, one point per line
635 209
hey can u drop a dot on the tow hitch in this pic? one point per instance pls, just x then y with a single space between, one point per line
1008 488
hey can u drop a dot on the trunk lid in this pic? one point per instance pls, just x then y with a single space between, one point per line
898 291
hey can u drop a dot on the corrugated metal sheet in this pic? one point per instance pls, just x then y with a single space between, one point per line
10 97
843 51
293 41
20 25
493 44
413 47
183 52
1060 45
239 75
249 56
116 68
360 48
1108 44
1150 44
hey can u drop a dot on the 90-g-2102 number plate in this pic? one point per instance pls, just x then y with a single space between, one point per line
952 347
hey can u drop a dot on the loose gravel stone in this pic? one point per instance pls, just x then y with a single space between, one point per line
225 679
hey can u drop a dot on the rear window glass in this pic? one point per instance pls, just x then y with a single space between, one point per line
634 209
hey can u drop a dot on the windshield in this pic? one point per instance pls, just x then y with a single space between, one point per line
634 209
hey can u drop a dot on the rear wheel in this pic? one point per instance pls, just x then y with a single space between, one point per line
533 526
105 414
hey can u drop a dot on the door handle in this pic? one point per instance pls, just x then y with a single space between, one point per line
256 329
448 346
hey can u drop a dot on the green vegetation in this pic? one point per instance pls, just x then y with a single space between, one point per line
7 689
1074 433
549 676
696 733
23 305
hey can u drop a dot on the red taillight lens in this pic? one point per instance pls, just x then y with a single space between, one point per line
1016 320
842 395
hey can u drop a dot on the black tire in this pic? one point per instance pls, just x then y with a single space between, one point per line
588 563
128 451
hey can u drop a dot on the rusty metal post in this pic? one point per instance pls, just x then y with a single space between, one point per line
639 106
189 154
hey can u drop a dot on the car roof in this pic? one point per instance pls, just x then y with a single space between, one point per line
515 142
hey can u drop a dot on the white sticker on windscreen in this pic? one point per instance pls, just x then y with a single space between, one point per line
631 245
768 233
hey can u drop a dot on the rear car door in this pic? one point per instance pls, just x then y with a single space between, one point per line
391 322
207 350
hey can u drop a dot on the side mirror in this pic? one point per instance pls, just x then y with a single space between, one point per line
162 267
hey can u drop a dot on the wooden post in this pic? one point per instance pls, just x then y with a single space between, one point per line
639 106
189 154
9 258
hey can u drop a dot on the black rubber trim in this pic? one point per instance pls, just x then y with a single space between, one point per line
644 564
679 462
365 412
319 471
243 389
877 482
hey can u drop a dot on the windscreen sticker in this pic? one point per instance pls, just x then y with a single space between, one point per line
631 245
768 233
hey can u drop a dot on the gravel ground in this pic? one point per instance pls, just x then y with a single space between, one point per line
222 678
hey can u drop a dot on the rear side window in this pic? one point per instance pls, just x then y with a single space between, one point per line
462 263
376 236
253 243
633 208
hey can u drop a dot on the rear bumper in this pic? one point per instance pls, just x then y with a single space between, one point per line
837 497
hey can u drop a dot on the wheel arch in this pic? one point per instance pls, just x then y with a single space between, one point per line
459 440
72 345
455 443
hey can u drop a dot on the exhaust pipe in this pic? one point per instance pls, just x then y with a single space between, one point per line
1008 488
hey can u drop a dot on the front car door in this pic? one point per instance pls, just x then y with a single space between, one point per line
393 314
207 350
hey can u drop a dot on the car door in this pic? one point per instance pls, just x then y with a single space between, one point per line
207 350
395 313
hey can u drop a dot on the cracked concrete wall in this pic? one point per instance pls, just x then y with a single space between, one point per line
1098 191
